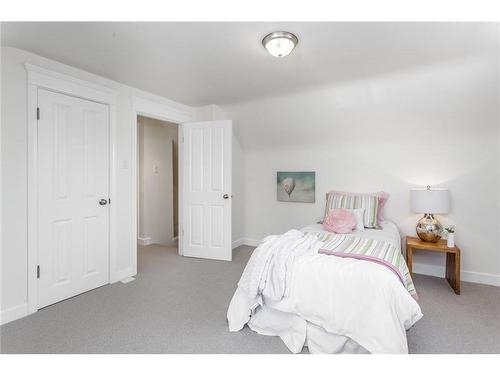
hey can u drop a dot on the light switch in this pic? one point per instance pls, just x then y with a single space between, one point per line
156 169
124 164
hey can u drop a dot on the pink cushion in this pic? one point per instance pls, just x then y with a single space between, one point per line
382 200
339 220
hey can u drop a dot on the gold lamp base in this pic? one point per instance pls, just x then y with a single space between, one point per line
429 229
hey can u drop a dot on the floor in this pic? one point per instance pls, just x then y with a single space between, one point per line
178 305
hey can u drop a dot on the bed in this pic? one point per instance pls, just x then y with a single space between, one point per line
330 304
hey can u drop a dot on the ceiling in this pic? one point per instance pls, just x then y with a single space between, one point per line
204 63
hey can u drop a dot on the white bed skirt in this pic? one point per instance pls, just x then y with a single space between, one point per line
292 329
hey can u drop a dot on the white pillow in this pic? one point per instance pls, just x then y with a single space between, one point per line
359 214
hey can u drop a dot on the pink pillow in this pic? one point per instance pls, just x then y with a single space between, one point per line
339 220
382 200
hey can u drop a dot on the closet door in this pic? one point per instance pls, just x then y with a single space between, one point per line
73 196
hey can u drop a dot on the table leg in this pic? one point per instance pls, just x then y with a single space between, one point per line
409 259
453 271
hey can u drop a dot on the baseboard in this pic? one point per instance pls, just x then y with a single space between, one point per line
144 241
238 242
470 276
246 241
127 280
428 269
13 313
251 241
122 274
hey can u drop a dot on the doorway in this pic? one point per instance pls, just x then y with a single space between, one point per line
158 182
204 181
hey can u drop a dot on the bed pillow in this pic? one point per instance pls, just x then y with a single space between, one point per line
359 214
369 202
339 220
382 200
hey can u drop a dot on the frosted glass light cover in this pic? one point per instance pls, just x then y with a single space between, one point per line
430 201
280 43
280 47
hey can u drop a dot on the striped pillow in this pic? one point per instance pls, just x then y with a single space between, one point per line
369 202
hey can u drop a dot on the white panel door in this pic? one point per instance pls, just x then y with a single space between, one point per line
206 189
73 196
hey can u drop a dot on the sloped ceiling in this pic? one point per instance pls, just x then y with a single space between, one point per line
224 63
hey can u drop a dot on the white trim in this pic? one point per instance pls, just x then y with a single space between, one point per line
32 292
238 242
13 313
160 111
113 195
180 190
127 280
123 274
69 85
468 276
41 76
37 78
164 112
428 269
144 241
251 242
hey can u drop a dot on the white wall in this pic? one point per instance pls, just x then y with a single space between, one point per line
437 125
14 172
156 180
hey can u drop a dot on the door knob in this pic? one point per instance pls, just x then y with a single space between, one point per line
225 196
103 202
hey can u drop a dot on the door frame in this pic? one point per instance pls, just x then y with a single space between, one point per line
164 112
41 78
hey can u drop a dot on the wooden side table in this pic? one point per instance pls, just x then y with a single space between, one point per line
452 258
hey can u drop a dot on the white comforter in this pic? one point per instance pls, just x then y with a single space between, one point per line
357 299
269 270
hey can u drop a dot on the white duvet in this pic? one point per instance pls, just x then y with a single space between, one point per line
290 291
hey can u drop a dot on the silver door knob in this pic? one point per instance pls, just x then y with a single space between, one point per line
103 202
225 196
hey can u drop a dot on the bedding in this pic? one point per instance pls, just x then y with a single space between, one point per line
382 200
369 202
359 214
339 220
377 251
329 303
268 272
388 231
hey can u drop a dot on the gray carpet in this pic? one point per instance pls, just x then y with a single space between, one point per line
178 305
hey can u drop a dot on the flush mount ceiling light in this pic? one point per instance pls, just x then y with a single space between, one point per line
280 43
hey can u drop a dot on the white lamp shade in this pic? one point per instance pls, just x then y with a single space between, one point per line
430 200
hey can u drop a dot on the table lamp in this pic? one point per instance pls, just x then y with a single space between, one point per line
429 201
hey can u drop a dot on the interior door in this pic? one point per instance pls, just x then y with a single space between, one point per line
73 196
206 189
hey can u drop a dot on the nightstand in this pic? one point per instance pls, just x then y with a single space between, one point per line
452 258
